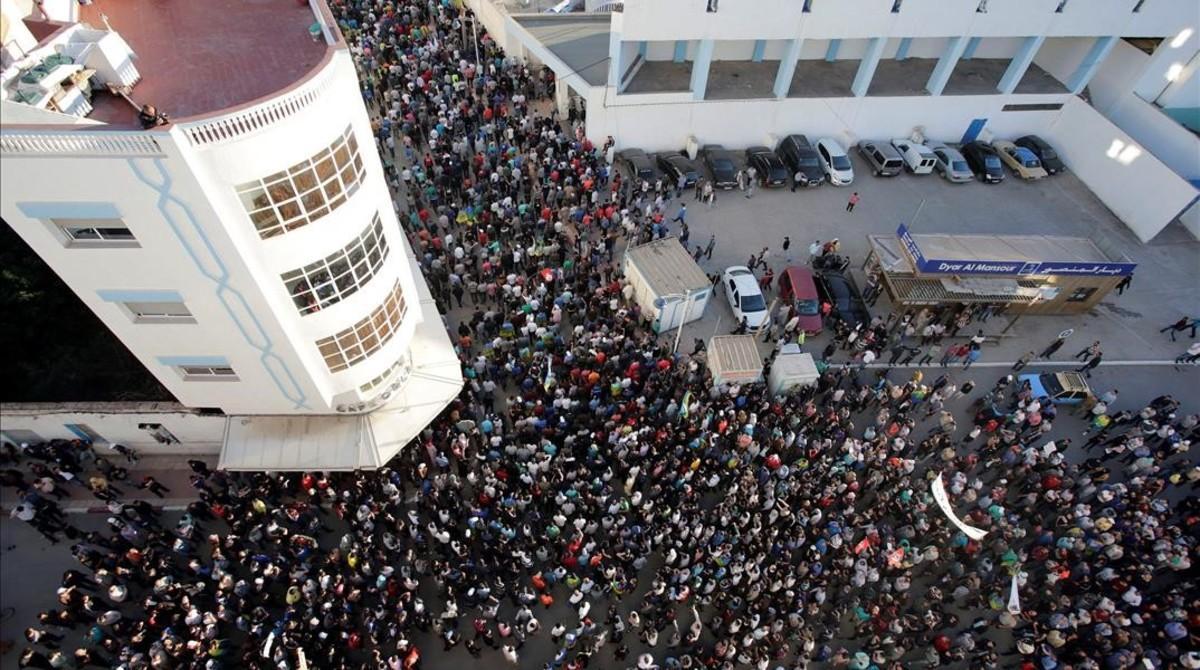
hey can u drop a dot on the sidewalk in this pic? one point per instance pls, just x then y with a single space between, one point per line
171 471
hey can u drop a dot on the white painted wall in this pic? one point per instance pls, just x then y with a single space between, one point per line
1061 56
1119 171
118 423
657 122
1184 89
1117 76
1113 94
660 50
733 49
19 40
1174 51
1191 219
783 19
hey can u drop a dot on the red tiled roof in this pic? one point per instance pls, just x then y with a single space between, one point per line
203 56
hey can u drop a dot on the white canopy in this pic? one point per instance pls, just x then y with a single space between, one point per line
348 442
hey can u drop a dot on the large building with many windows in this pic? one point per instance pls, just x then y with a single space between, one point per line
1113 84
247 250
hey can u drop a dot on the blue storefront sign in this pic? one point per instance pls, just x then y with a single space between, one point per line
961 267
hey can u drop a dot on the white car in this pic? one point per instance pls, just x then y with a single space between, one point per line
835 162
951 164
745 297
918 158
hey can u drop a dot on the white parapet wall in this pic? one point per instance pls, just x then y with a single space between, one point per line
133 424
1140 189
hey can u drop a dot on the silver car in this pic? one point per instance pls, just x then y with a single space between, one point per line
950 163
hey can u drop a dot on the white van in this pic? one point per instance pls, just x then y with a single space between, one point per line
918 158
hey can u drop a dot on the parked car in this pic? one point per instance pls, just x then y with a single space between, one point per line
673 164
745 297
840 290
918 159
802 159
636 163
1062 388
951 164
719 162
771 171
1043 151
835 162
1023 162
798 288
565 7
883 159
984 162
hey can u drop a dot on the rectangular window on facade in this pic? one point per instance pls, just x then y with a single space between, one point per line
95 233
199 373
158 312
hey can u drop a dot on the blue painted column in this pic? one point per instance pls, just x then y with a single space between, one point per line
972 45
642 49
866 67
1091 62
902 50
614 61
700 65
760 47
945 66
680 51
787 67
1019 64
832 50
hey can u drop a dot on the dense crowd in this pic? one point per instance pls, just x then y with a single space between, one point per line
594 491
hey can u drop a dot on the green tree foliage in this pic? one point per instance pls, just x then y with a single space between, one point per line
54 348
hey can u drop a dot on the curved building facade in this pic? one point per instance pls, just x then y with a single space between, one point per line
249 255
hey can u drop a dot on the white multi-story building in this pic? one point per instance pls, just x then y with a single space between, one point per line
247 252
666 74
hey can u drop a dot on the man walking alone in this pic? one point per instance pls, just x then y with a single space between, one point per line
853 201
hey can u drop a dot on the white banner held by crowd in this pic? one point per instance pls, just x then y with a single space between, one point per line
939 494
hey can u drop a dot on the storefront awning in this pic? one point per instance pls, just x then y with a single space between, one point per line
933 291
349 442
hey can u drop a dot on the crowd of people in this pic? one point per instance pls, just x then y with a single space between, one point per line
593 500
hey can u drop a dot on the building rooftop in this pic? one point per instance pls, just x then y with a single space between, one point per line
1026 248
198 58
580 40
667 267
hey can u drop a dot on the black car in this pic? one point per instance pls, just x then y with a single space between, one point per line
1043 151
719 162
984 161
771 170
801 157
673 164
839 289
637 164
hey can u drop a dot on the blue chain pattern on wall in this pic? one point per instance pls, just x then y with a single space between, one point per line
191 235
